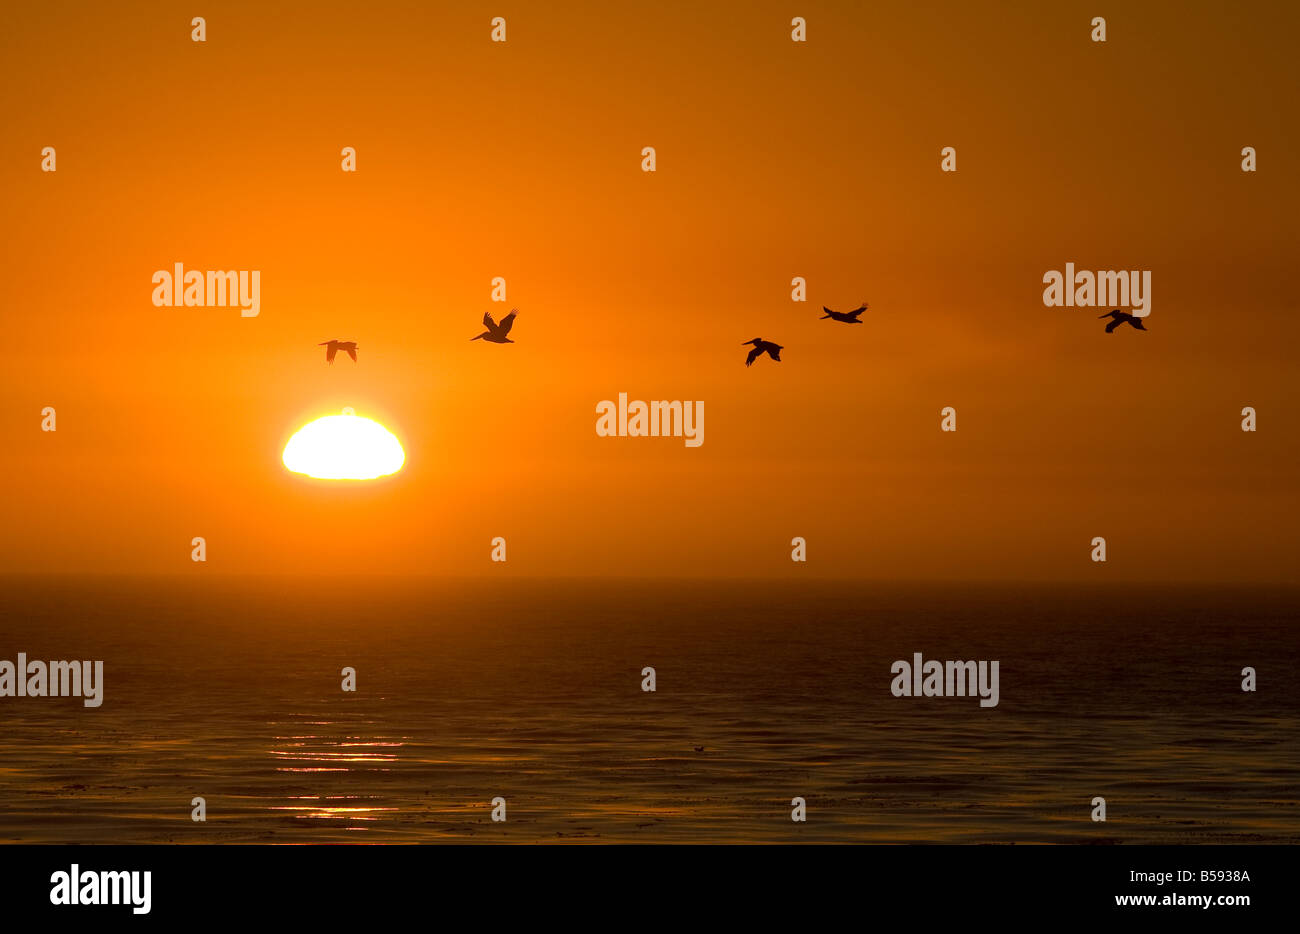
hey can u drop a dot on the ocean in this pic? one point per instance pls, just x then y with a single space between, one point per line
229 689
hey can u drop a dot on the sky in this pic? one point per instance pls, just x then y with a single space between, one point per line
775 159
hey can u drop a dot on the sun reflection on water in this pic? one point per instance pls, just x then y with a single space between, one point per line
324 752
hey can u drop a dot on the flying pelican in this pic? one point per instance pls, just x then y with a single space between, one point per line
848 317
333 347
763 347
496 333
1122 317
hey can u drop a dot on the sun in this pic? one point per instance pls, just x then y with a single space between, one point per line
344 447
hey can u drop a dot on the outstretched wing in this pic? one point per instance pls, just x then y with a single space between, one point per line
1136 322
329 354
753 355
352 352
774 351
857 311
1114 324
488 322
508 322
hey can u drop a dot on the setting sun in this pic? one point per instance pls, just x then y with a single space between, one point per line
344 447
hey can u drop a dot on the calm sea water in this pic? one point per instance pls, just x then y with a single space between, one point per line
230 690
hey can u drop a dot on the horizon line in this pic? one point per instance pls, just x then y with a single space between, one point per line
1199 583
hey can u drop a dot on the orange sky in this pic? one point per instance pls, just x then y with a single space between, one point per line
775 159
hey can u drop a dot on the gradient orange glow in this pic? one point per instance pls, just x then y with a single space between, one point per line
775 160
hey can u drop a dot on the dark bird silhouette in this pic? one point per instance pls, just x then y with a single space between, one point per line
1122 317
763 347
848 317
333 347
496 333
699 749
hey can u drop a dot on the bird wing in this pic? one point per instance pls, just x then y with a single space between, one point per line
329 354
488 322
775 352
1136 322
753 355
857 311
828 311
352 352
508 322
1113 325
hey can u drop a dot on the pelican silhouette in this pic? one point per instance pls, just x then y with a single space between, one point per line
848 317
496 333
333 347
763 347
1122 317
